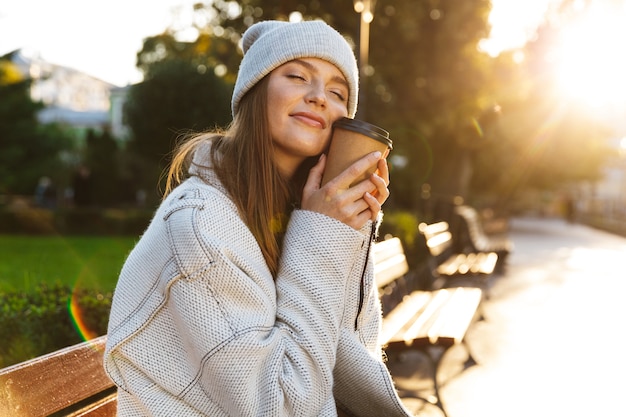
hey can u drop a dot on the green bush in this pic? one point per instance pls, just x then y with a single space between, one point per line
401 224
49 318
404 225
78 221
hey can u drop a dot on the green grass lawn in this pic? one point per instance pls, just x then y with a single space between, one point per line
84 261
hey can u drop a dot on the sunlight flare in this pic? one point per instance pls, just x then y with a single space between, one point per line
589 60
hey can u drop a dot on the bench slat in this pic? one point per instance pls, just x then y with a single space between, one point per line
424 329
106 407
396 320
445 261
389 261
387 270
459 311
474 263
439 243
31 388
439 317
433 228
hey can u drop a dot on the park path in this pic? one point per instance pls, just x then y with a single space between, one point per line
553 342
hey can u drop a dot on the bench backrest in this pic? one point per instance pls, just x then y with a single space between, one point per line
437 236
389 261
472 223
390 270
67 380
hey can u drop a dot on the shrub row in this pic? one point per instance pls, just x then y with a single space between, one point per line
82 221
41 321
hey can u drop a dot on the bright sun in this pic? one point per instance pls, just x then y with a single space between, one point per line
590 63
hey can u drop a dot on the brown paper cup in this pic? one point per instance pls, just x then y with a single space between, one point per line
352 139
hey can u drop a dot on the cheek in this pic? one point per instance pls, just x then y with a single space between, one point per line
327 141
339 110
277 95
274 123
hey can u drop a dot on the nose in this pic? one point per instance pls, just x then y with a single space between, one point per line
316 95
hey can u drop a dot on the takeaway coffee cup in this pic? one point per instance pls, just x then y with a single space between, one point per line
351 140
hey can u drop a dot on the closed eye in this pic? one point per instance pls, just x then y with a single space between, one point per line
296 76
339 94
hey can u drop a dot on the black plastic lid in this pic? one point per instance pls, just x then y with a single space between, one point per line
365 128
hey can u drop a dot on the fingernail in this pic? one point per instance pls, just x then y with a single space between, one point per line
377 154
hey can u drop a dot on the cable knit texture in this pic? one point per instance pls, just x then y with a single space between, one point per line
199 327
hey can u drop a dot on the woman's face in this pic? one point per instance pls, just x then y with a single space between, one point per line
305 97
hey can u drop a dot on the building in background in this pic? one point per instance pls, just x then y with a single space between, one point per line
117 100
607 197
72 98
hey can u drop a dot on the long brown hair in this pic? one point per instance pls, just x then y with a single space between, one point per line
242 157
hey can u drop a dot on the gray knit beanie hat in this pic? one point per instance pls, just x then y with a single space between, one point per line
269 44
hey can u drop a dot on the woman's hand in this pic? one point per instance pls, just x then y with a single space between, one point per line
354 205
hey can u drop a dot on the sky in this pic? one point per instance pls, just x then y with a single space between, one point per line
98 37
102 37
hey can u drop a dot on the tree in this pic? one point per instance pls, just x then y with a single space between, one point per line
28 150
428 79
429 85
102 162
463 123
178 97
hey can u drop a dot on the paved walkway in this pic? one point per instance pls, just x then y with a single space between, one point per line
554 339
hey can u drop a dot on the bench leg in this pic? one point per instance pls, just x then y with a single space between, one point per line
435 355
470 361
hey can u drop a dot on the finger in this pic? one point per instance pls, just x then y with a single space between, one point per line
357 221
381 193
315 174
383 170
312 184
374 205
357 170
366 206
349 208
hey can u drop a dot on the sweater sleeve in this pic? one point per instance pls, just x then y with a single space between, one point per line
285 362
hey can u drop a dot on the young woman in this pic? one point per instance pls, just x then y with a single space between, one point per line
251 293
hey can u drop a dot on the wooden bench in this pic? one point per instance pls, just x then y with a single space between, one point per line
429 321
477 239
446 263
68 382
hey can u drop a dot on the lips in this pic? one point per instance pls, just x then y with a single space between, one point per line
310 119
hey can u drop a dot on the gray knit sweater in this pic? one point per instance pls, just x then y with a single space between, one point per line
199 327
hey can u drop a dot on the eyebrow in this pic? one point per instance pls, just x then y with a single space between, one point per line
311 67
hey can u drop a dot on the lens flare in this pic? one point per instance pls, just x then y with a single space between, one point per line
77 315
